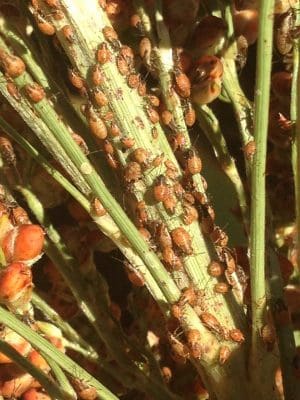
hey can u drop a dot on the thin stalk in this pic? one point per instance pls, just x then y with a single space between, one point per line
295 116
105 223
65 327
96 313
48 349
60 377
258 196
52 388
286 341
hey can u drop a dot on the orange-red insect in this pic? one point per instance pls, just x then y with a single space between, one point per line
103 54
133 81
215 269
193 340
236 335
171 259
68 33
97 75
98 208
221 287
100 98
193 162
160 188
211 322
182 84
35 92
76 80
182 240
224 354
133 172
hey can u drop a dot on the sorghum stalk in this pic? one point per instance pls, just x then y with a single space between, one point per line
48 349
53 389
258 196
295 117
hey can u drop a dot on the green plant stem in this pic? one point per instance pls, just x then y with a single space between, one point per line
48 349
258 197
295 117
96 313
286 341
105 223
65 327
60 377
52 388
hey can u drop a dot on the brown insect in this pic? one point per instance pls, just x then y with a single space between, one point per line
146 234
153 115
97 75
170 203
76 80
98 208
44 26
283 33
153 100
171 259
96 125
13 66
268 335
134 276
172 170
108 147
219 237
250 149
211 322
145 48
188 296
224 354
215 269
178 190
221 287
285 123
189 115
236 335
100 98
127 53
182 240
133 81
7 151
176 311
193 340
142 88
166 117
133 172
19 216
103 54
109 33
141 156
179 351
160 188
182 84
193 162
177 141
190 214
114 130
13 91
163 236
112 161
135 21
35 92
141 212
122 65
68 33
128 142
